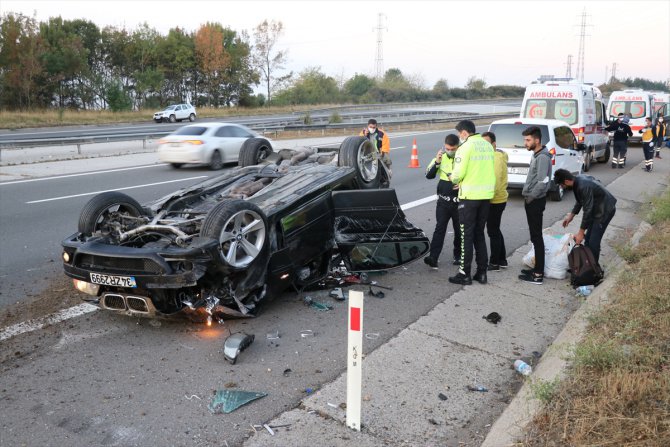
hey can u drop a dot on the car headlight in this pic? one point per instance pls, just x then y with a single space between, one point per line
86 287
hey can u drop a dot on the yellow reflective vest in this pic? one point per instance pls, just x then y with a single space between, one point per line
474 169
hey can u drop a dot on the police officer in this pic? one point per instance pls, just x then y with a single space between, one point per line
447 201
475 176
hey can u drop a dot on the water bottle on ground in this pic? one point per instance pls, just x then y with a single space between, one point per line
522 367
584 290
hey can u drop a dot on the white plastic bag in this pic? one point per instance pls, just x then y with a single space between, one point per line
556 249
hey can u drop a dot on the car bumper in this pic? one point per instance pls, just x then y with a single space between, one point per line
182 153
171 268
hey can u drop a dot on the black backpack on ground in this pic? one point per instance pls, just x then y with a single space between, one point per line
584 270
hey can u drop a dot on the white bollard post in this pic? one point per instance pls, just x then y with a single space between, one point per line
354 360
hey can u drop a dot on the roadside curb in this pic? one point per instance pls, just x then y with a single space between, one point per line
511 424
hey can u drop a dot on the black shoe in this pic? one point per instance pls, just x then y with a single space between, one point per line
461 278
430 261
613 166
480 277
620 166
493 268
532 278
527 271
503 265
456 262
658 155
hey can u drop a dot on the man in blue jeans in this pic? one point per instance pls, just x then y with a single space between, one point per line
597 203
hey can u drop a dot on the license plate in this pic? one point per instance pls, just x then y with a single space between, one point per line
521 171
112 280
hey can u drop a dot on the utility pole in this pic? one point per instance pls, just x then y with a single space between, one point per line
606 73
613 72
582 39
568 69
379 60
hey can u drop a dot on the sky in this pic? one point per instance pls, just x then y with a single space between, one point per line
503 42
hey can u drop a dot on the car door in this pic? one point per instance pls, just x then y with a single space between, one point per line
180 112
567 154
372 232
240 136
226 143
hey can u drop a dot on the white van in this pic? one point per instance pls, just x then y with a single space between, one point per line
660 99
637 103
566 152
580 106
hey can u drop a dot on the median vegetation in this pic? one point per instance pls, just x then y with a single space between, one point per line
617 392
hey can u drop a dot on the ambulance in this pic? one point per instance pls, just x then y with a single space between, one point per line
660 100
578 105
636 102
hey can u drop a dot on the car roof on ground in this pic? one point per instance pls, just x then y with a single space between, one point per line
532 121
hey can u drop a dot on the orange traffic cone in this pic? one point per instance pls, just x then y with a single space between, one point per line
414 159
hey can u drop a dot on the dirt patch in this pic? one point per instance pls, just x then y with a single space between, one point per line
59 294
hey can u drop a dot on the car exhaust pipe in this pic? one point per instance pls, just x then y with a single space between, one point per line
129 304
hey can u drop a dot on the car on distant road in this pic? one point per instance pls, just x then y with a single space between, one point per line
559 138
176 112
211 143
222 246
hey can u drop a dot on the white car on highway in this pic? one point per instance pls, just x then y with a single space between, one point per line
176 112
565 152
213 144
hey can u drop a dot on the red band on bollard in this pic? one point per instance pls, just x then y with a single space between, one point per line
355 318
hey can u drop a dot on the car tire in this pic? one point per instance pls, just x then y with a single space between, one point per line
587 160
216 162
176 165
606 156
172 118
555 192
159 120
242 231
191 117
254 151
356 152
96 210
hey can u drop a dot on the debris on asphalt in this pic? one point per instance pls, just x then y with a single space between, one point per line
374 283
287 371
155 323
378 294
235 344
267 427
306 333
273 335
308 300
332 405
479 388
337 294
372 335
493 317
230 385
442 396
309 390
227 401
192 396
433 421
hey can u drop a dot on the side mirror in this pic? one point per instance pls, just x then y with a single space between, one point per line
581 146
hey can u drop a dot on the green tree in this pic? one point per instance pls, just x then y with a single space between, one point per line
117 98
311 87
441 89
358 86
176 59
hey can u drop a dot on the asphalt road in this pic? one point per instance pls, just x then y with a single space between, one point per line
105 379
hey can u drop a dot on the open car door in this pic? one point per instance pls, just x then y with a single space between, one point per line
372 232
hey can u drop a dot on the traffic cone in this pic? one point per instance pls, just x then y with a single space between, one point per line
414 159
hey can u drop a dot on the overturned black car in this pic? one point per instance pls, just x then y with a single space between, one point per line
220 247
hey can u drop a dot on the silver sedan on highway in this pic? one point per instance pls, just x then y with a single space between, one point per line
213 144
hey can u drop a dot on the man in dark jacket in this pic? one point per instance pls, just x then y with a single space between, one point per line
620 140
447 201
597 203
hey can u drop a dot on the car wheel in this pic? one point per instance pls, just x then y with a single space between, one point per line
173 118
587 160
241 229
191 117
555 193
97 213
254 151
176 165
160 120
358 153
606 156
216 162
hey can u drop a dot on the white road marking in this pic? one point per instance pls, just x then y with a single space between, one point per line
76 311
39 323
117 189
78 175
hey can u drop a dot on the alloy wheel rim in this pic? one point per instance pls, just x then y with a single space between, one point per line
242 238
